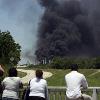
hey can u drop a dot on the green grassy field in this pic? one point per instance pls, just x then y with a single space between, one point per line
92 76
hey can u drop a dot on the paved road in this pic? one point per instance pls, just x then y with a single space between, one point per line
31 74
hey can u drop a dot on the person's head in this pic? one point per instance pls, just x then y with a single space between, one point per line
39 73
12 72
74 67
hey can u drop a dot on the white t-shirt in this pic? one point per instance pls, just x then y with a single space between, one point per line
11 85
38 87
74 82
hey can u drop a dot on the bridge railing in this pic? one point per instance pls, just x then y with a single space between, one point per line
59 93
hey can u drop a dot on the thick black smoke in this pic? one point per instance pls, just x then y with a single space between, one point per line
69 28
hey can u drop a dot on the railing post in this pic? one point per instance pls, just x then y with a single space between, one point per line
94 95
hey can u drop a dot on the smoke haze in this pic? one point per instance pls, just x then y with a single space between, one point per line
21 18
69 28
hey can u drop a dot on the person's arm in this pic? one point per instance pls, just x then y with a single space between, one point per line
20 84
2 83
84 83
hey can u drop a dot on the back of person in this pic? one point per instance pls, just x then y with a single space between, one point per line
37 87
11 87
74 81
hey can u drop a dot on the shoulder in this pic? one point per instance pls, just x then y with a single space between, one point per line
81 75
44 81
6 78
74 73
33 79
17 78
67 75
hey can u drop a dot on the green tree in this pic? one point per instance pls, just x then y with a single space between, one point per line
97 62
9 49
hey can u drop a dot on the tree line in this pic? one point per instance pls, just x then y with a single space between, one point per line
83 63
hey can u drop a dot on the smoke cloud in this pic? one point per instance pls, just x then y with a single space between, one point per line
69 28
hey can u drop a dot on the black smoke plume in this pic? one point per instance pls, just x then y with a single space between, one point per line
69 28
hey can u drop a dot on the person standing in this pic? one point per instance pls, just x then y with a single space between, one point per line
11 85
75 81
38 87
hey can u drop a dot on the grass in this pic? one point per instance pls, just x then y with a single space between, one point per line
58 77
21 74
94 80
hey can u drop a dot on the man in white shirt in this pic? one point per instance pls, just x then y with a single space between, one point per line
75 81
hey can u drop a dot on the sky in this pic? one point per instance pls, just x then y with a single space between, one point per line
21 18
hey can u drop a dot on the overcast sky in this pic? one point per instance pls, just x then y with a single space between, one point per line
21 18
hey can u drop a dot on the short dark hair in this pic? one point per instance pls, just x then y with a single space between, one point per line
74 67
39 73
12 72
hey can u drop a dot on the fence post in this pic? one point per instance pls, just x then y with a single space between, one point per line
94 95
